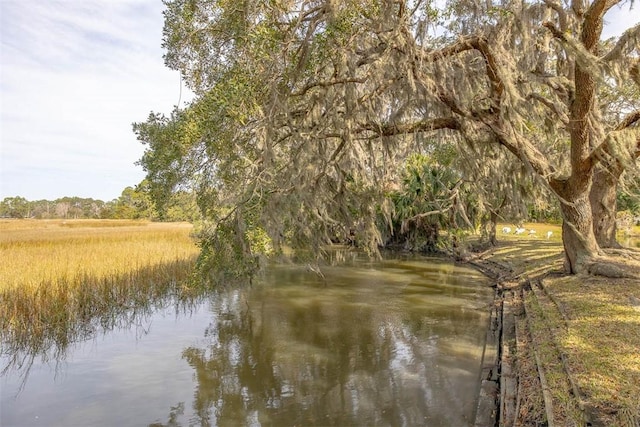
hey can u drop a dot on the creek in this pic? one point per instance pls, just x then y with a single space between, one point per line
395 342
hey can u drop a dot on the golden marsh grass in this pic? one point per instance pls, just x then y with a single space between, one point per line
33 252
63 279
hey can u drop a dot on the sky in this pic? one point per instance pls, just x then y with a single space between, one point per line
74 76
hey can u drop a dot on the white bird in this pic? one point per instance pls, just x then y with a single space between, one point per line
532 231
549 233
506 230
520 230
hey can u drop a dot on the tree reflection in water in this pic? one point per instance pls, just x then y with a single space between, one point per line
67 316
396 342
338 355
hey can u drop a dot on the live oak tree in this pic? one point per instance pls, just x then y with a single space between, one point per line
305 109
609 175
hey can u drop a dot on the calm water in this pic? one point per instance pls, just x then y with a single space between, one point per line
397 342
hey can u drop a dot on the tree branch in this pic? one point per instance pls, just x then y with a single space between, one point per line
392 129
629 120
593 22
451 205
551 106
605 150
328 83
634 71
562 15
524 150
480 44
632 34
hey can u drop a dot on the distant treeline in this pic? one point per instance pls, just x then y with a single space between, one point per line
133 203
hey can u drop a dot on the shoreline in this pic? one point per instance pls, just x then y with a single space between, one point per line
533 369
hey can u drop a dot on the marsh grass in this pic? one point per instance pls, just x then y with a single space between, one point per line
64 280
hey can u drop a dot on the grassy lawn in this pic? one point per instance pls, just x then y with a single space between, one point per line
594 322
602 342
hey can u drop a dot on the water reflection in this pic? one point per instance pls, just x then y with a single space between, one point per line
396 342
377 346
43 323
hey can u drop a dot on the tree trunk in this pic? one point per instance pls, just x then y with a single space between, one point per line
580 245
603 205
488 229
492 228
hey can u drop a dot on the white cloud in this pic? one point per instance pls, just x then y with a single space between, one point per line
74 76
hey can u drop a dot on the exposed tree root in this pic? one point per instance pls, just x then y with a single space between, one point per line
614 268
628 253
